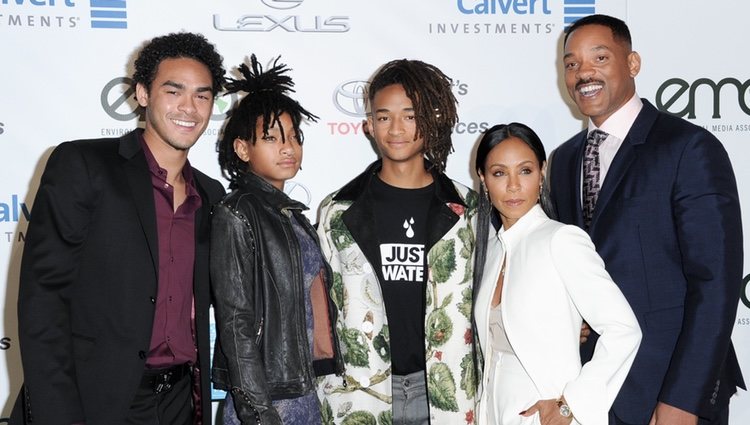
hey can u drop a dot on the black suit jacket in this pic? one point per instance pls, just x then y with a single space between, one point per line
667 225
88 282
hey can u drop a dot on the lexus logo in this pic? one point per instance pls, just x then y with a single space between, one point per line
282 4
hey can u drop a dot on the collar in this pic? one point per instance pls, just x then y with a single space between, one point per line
157 170
445 191
518 231
619 123
253 183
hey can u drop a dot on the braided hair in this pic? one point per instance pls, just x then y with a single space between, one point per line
429 90
266 98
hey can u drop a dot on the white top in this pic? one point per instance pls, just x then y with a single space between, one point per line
553 279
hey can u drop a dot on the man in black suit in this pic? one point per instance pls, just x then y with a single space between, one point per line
114 292
658 196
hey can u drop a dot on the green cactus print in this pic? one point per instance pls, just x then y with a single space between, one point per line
360 417
356 353
441 388
340 236
382 344
468 376
385 418
439 327
442 260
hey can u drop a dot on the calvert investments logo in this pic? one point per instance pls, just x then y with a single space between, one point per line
577 9
277 17
13 210
704 98
499 18
64 14
14 216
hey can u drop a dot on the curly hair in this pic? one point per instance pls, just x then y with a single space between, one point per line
431 94
178 45
266 98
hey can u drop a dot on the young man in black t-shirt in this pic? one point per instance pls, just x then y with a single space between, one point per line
400 240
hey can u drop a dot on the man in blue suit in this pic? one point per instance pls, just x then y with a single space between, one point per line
659 199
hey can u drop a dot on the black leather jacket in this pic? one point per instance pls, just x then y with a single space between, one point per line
262 352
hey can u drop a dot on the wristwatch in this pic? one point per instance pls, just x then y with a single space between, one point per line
564 408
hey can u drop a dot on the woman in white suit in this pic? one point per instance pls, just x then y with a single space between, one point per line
536 281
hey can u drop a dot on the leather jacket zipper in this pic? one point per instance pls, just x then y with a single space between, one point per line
259 334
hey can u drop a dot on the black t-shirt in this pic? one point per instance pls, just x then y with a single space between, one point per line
401 223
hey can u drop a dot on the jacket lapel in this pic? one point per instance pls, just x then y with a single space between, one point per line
139 181
624 158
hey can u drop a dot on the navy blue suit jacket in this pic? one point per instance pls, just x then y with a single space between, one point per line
667 224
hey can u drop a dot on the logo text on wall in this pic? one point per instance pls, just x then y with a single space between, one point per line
511 17
704 96
281 20
349 98
64 14
118 103
13 210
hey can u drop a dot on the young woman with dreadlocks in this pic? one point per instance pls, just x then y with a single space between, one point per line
274 316
399 238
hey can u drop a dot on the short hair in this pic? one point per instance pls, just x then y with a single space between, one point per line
619 28
431 93
178 45
266 97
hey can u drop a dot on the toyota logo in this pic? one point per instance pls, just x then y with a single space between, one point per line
349 98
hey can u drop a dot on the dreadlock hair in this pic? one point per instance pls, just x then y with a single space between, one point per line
174 46
429 90
266 98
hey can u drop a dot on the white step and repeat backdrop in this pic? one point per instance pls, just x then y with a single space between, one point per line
65 66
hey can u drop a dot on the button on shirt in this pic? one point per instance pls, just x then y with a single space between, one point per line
172 339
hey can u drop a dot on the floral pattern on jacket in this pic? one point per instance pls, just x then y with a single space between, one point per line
364 396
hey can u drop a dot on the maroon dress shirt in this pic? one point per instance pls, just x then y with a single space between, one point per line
173 337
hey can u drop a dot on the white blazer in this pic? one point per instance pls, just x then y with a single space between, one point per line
553 280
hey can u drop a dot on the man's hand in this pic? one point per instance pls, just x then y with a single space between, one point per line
585 332
549 413
665 414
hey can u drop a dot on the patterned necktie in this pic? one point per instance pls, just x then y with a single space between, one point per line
591 174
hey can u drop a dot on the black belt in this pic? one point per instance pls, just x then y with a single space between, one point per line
160 380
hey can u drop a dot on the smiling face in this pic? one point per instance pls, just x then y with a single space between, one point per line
273 158
513 176
179 104
599 71
393 124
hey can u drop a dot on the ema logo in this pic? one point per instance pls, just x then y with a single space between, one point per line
577 9
675 89
109 14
